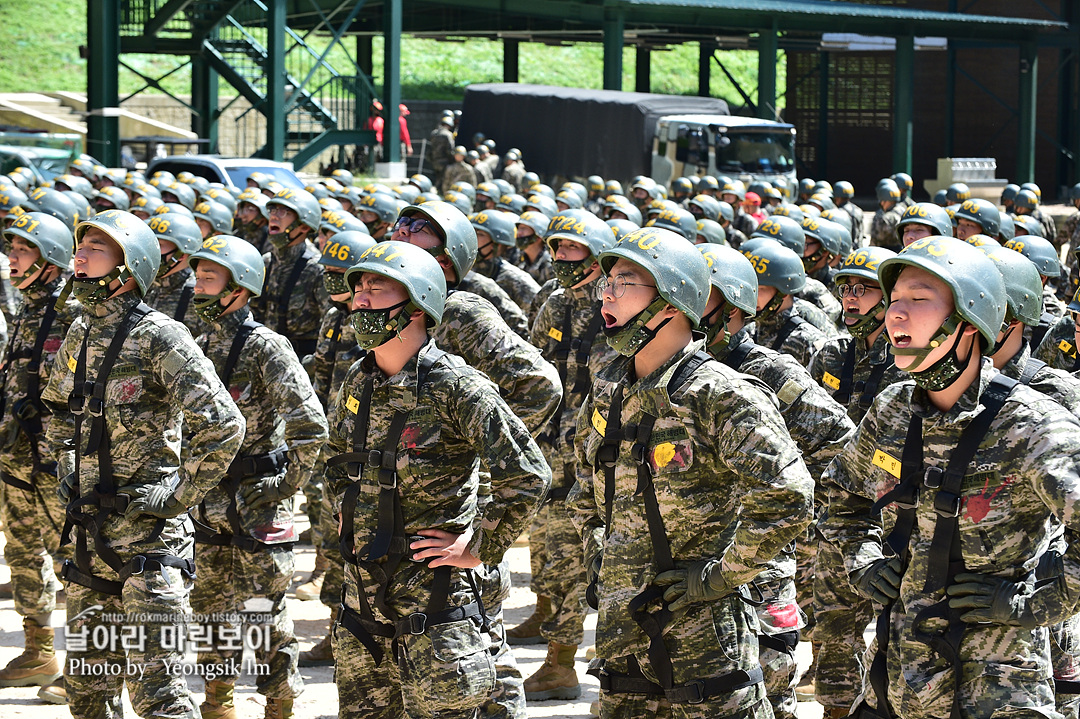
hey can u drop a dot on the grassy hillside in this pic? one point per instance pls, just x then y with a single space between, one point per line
40 53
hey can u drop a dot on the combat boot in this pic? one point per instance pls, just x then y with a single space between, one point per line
37 666
322 654
55 693
219 701
278 708
312 588
528 632
556 678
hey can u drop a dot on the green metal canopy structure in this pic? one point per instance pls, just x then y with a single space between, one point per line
264 50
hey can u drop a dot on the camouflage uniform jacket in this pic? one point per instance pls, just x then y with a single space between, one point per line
735 237
801 343
9 296
487 288
579 306
474 330
729 482
1068 229
540 270
334 354
457 172
883 229
515 175
743 222
1051 303
280 408
456 418
14 443
856 222
1056 384
817 317
482 170
299 322
827 368
1058 347
161 389
816 293
1049 227
440 149
516 282
165 294
1023 474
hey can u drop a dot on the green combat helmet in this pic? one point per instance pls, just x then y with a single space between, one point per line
142 255
982 213
711 232
863 264
417 271
342 251
978 293
303 203
731 273
681 275
1040 251
928 214
677 220
216 214
180 230
776 266
784 230
1023 285
457 233
245 267
50 235
585 228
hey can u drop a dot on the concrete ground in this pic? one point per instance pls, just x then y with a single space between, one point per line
319 700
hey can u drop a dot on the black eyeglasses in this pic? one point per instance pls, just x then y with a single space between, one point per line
414 225
856 291
616 286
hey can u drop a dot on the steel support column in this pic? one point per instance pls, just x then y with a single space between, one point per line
510 59
614 29
704 68
204 98
103 81
391 79
823 115
366 64
642 69
276 120
904 103
1025 143
767 46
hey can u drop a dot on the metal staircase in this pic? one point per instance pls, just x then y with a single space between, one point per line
323 107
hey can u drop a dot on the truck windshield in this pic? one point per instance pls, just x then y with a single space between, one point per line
757 152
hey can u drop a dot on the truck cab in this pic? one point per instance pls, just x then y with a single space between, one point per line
743 148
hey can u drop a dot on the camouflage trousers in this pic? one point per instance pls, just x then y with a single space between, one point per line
32 523
232 580
313 495
538 549
330 546
1065 656
146 650
507 701
448 671
841 617
805 554
562 577
705 640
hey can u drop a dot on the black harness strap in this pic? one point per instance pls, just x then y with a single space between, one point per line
946 556
243 332
1046 321
873 383
287 293
635 682
187 293
88 398
789 326
847 375
1031 369
738 354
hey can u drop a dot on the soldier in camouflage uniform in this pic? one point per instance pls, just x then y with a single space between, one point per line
852 370
883 228
174 287
818 425
1027 202
844 197
457 171
779 324
822 245
473 329
514 170
534 257
494 234
1045 258
674 636
968 639
40 250
251 221
334 355
1072 222
433 416
440 147
127 484
245 533
567 329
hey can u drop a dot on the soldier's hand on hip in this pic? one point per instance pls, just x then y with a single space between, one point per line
445 549
69 484
155 500
880 581
992 600
268 490
702 581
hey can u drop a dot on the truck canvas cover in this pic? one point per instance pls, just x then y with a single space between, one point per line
574 132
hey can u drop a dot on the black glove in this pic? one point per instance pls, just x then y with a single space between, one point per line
68 487
268 490
992 600
880 581
592 574
156 500
701 582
